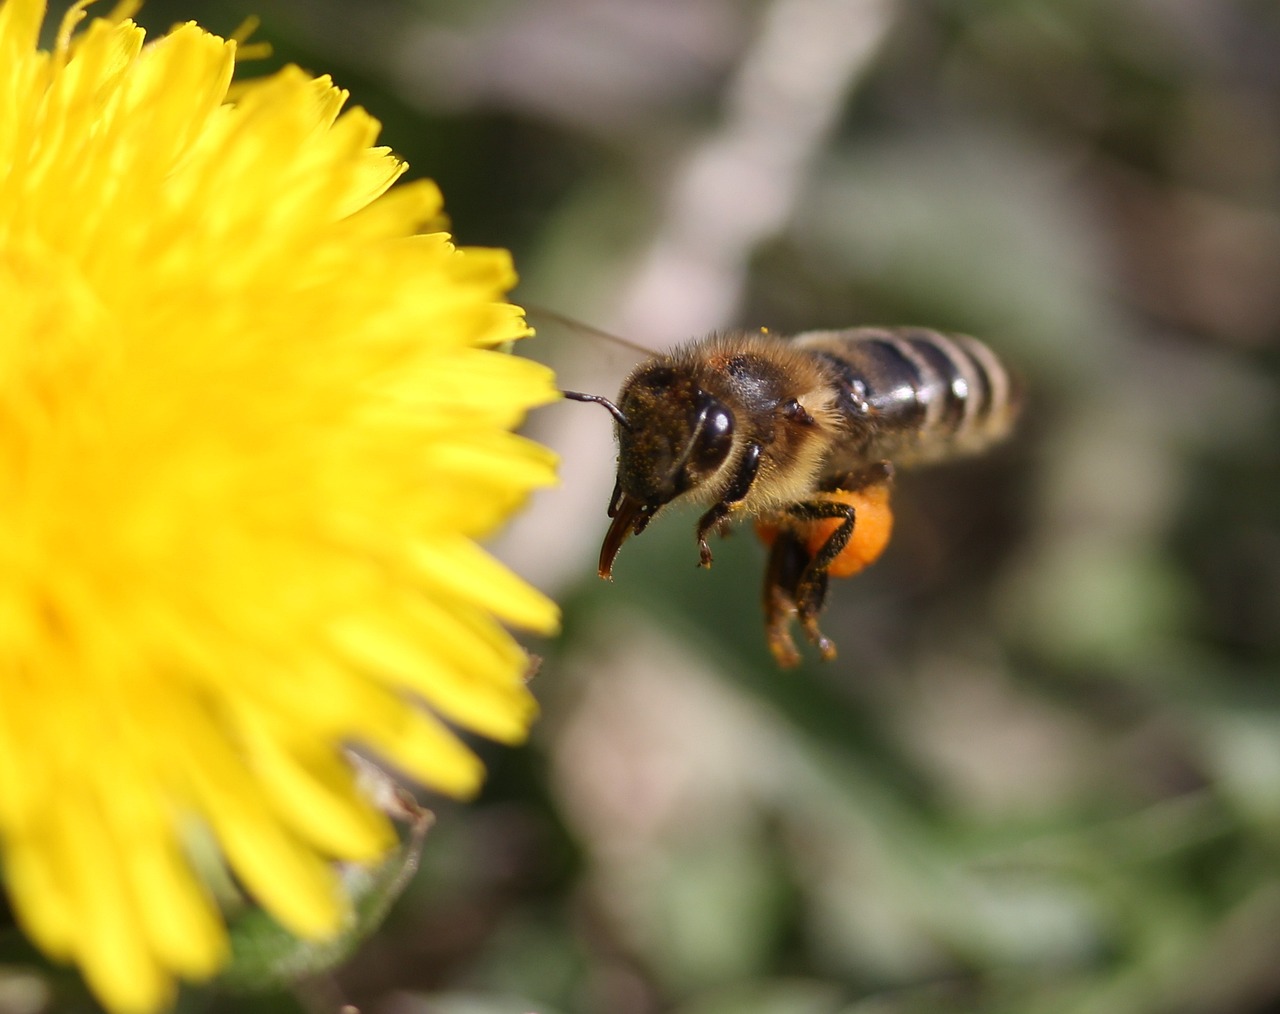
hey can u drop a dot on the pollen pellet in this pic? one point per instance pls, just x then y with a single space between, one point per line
872 528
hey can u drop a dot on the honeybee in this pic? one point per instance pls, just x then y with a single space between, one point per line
800 435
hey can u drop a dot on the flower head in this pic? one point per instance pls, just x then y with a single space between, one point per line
251 423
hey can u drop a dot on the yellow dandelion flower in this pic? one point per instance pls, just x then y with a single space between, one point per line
251 423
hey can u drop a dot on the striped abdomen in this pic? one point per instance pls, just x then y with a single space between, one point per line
917 395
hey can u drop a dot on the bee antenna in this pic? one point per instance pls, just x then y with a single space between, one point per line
600 399
577 325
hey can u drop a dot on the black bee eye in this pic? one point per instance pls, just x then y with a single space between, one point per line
715 437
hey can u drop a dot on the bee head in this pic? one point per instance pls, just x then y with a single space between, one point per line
677 438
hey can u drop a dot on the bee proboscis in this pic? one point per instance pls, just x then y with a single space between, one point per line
801 435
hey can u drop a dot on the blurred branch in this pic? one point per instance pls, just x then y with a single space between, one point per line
740 185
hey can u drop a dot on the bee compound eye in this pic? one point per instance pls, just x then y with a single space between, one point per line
715 437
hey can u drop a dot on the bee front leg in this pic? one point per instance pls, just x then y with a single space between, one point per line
715 519
718 516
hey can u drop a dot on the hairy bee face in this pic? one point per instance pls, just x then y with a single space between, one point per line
679 437
676 438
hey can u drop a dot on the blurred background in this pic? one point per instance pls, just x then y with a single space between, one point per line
1044 774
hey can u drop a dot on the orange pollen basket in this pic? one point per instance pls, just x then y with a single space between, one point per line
872 528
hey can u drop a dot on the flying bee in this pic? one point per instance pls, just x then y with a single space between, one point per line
800 435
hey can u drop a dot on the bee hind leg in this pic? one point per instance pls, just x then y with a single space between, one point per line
788 560
794 590
810 589
811 598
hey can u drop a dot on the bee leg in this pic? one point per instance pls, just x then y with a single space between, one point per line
718 516
810 600
713 520
788 561
810 593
